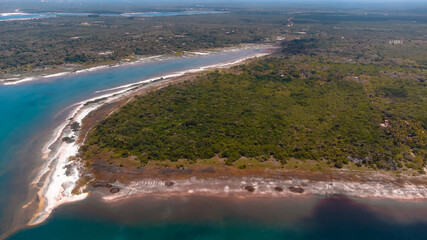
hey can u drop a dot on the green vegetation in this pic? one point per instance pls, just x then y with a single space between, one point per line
305 108
67 42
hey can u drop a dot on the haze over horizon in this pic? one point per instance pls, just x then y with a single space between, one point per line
215 1
139 5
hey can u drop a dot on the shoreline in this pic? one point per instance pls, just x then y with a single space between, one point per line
264 186
215 178
29 77
60 173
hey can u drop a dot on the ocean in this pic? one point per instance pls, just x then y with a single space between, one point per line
198 217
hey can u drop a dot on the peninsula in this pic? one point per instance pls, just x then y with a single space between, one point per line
313 118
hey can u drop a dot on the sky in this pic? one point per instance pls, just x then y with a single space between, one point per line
216 1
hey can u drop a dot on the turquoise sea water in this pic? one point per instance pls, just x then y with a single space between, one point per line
30 111
141 14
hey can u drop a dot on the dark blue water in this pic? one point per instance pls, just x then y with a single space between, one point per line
142 14
30 111
206 218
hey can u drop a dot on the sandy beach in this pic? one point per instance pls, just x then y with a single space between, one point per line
276 187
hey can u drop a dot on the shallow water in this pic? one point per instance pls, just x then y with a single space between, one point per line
30 111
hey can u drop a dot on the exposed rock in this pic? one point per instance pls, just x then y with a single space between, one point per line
100 184
68 139
75 126
114 190
296 189
169 184
249 188
96 184
278 189
68 170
